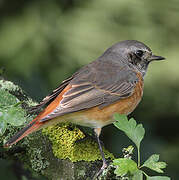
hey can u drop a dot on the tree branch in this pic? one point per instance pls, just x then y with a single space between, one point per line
62 154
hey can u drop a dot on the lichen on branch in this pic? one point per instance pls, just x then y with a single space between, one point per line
70 142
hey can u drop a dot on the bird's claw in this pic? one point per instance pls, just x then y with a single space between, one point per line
104 166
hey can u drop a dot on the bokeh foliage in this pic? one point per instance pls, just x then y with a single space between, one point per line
43 42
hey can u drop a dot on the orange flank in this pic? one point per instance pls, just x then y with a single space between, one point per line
103 117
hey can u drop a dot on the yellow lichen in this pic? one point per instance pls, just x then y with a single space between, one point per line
67 142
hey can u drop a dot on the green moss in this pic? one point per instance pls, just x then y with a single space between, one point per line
67 142
34 158
38 162
30 102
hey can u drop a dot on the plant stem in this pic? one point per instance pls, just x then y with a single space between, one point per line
138 155
145 174
17 104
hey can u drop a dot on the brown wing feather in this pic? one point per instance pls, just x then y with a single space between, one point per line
48 99
96 84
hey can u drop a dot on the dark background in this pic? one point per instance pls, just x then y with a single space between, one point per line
44 42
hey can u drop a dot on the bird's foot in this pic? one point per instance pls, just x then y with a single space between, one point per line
104 166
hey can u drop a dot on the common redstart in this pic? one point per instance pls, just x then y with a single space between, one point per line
113 83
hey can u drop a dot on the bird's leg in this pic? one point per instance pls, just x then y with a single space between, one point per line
97 133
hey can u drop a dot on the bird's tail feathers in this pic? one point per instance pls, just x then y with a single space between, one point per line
31 127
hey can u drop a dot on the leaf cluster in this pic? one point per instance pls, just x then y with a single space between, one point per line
128 167
10 111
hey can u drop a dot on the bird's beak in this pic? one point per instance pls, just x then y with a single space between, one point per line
157 58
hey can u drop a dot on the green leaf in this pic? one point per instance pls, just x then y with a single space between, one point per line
7 99
153 163
15 116
124 166
158 178
130 128
3 125
10 111
138 175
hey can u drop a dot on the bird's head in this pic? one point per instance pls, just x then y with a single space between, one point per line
135 54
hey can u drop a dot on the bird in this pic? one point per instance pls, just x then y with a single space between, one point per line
113 83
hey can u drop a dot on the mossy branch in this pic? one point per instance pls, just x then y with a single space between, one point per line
58 153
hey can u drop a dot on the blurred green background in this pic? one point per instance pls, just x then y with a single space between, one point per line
44 42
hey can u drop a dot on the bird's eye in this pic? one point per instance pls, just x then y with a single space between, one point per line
139 53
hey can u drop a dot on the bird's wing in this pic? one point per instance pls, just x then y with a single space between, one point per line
48 99
99 83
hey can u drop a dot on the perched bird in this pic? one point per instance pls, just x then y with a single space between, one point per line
113 83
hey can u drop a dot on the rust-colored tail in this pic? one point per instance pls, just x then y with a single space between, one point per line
31 127
35 124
